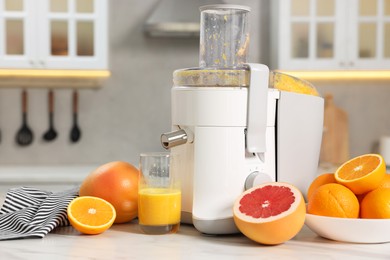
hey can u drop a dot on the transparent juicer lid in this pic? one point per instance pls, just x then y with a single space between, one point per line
224 46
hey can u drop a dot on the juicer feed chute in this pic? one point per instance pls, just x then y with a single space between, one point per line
224 36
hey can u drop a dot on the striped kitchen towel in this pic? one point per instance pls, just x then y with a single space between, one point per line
30 212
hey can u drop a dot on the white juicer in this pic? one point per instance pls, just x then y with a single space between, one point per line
232 129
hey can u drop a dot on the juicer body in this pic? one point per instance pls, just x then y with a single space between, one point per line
216 165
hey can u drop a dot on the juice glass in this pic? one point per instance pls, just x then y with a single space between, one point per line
159 194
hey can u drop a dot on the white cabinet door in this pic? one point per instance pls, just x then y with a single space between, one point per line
17 26
370 31
310 34
73 34
54 34
331 34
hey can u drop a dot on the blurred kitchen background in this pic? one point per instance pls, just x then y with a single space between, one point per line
127 113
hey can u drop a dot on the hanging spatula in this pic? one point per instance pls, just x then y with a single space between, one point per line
75 132
51 133
24 136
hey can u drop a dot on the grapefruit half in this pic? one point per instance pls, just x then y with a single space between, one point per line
270 213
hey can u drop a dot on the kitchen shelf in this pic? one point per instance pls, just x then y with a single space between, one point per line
10 78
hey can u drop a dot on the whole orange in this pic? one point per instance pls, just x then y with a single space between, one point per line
376 204
117 183
320 180
333 200
385 182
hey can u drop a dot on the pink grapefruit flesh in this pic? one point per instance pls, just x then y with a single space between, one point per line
267 202
270 213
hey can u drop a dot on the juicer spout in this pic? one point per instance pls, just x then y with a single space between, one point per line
175 138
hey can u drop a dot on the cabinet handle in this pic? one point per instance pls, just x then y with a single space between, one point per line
351 64
342 63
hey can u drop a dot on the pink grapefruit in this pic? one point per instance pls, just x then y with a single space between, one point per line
270 213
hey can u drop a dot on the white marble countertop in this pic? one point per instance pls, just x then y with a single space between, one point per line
126 241
44 173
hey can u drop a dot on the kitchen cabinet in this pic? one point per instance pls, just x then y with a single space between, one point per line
53 34
330 34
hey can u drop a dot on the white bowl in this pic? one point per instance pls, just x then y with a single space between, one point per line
350 230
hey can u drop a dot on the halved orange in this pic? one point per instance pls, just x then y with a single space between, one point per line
91 215
362 174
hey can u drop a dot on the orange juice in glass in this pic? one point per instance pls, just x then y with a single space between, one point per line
159 195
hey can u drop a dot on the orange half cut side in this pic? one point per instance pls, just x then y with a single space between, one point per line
91 215
362 174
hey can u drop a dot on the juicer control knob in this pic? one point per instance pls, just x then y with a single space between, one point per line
256 178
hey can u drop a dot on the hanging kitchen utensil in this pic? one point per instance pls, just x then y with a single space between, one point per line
24 136
51 133
75 133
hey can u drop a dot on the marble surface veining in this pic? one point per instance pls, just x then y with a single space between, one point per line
126 241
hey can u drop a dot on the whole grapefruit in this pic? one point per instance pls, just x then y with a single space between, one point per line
270 213
117 183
